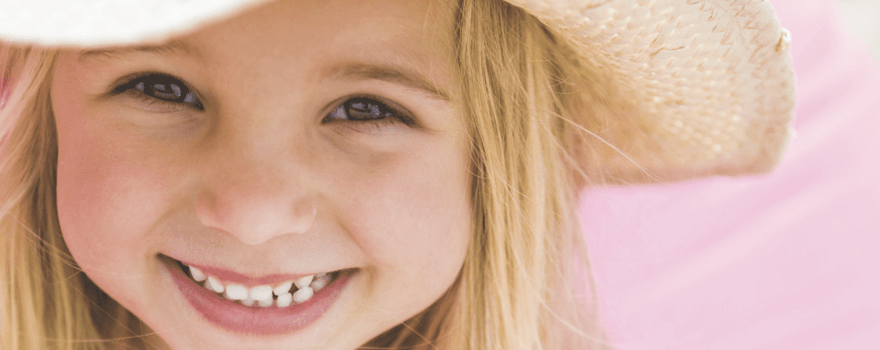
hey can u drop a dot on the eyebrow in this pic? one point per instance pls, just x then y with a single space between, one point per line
174 47
350 71
392 74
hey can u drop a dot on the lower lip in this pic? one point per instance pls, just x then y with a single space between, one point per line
259 321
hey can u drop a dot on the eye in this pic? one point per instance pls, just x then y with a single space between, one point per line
160 88
364 110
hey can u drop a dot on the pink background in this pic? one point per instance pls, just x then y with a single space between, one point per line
790 260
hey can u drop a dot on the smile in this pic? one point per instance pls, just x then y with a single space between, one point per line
266 305
283 294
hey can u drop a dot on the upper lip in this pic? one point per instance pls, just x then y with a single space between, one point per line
230 276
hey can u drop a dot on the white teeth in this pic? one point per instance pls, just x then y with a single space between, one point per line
303 282
236 292
262 295
321 281
284 300
265 302
303 294
263 292
248 302
197 274
214 284
283 288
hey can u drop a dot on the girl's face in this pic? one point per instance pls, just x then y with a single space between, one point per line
300 138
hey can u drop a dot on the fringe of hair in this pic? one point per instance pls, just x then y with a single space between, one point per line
525 284
48 303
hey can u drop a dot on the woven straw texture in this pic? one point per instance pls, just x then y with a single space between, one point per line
691 88
676 89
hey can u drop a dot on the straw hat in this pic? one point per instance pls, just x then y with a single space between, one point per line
699 87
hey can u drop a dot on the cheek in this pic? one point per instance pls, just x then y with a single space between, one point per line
413 219
104 191
93 195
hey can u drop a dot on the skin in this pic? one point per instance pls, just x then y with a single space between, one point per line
258 181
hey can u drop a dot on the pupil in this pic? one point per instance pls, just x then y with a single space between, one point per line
364 110
167 92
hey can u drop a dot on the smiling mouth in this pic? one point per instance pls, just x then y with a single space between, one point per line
281 295
279 305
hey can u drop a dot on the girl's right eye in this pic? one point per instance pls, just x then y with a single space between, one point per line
160 89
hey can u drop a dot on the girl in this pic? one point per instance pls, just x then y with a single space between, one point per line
351 174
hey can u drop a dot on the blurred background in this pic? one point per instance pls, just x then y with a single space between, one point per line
783 261
863 17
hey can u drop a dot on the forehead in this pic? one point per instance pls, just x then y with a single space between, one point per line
359 26
414 35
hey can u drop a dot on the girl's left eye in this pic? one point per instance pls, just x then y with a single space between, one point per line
366 110
160 89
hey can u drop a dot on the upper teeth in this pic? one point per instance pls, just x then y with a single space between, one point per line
262 295
260 292
197 274
303 282
237 292
282 288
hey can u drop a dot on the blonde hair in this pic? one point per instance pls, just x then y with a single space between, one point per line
525 280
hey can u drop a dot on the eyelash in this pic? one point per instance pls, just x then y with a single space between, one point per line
377 112
150 88
146 87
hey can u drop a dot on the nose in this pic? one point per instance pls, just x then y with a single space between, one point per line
254 200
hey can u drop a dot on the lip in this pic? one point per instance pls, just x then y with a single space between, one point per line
258 321
234 277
